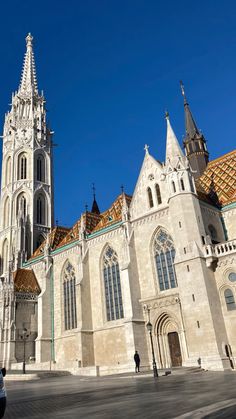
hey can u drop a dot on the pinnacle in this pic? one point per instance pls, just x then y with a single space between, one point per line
28 82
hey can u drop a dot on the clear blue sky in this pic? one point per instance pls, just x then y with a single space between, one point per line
109 69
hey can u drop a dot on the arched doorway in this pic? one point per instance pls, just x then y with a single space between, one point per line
175 351
169 341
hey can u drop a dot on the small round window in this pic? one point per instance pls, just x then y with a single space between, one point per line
232 276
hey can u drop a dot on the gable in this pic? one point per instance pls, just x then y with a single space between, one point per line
151 173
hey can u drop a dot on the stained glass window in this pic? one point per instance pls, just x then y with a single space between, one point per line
164 253
69 291
112 285
229 299
232 276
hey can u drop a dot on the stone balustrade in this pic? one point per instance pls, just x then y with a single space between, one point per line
220 249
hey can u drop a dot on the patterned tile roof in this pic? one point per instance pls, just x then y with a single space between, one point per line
218 181
55 237
114 213
94 222
89 219
25 281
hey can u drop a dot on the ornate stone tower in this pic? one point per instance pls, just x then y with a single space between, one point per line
26 206
194 142
26 210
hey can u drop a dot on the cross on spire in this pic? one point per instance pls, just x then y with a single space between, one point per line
146 147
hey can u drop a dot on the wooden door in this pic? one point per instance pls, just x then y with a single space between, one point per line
175 352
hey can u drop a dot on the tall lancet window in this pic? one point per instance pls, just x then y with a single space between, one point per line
6 214
69 293
40 210
22 166
8 171
5 261
40 171
112 285
158 194
150 198
164 254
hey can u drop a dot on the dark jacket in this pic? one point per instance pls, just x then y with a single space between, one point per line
137 358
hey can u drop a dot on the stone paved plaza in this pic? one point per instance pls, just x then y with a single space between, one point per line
190 395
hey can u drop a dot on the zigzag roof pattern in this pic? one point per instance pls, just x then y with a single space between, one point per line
218 182
94 222
55 237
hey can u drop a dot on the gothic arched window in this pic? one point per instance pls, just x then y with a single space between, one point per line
173 186
150 198
8 171
6 213
22 166
69 293
213 233
229 299
158 194
112 285
40 240
5 256
182 184
191 184
164 254
40 210
21 205
40 168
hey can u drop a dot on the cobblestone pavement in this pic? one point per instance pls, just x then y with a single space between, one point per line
198 395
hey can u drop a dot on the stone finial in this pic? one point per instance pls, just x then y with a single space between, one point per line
29 40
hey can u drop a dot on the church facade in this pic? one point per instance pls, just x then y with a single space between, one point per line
80 298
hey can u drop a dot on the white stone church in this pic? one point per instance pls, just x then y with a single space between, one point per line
81 297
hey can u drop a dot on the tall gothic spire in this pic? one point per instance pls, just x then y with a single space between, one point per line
190 125
28 82
194 141
173 149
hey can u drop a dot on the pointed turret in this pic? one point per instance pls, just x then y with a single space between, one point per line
28 82
173 149
194 141
95 208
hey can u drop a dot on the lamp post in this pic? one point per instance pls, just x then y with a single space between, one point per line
154 365
24 337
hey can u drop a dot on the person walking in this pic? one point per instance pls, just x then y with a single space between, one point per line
137 361
3 393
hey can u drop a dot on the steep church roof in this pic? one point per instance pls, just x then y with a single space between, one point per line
114 213
218 180
89 221
93 222
55 237
25 281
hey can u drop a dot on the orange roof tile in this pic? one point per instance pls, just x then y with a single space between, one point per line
90 221
25 281
55 237
218 182
114 213
94 222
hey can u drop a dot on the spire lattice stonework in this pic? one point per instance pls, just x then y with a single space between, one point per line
28 82
194 141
